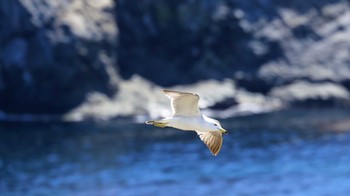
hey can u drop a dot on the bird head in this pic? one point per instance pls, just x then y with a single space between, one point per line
215 125
219 128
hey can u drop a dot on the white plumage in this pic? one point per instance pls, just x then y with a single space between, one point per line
183 104
187 116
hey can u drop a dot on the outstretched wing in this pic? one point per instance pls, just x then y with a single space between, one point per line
213 140
183 104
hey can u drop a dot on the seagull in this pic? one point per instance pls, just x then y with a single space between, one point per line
187 116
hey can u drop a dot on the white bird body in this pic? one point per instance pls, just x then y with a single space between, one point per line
187 116
194 123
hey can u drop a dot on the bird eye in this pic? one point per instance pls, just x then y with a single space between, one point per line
216 125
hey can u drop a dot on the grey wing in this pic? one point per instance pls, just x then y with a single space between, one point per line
183 103
212 139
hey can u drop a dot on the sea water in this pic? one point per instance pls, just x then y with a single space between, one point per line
272 154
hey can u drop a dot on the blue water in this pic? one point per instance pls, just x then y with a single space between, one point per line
272 154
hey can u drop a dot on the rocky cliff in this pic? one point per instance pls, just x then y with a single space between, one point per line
53 52
56 55
261 44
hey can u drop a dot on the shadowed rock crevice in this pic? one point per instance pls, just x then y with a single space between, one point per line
181 42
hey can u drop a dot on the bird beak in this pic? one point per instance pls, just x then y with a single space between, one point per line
223 131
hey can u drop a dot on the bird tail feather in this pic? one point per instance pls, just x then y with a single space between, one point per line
150 122
156 123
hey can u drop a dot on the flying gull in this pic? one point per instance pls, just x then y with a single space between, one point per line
187 116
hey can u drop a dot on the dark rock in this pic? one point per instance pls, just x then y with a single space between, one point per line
54 53
224 104
187 41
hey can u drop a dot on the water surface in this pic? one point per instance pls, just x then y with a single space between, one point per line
272 154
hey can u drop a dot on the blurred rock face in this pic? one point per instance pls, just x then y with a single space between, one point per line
263 45
53 52
193 40
260 43
63 50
